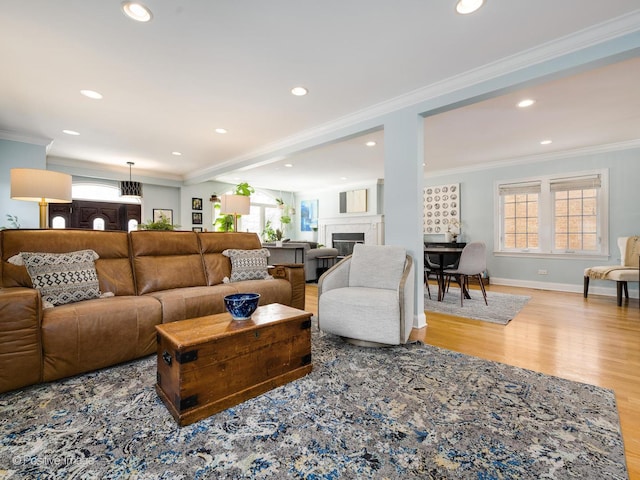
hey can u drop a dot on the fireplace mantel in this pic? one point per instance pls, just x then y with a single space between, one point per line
371 225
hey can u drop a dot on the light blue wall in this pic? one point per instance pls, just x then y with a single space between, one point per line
477 216
19 155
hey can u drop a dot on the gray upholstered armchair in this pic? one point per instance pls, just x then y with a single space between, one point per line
367 298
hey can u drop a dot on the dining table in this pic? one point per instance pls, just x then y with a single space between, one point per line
441 252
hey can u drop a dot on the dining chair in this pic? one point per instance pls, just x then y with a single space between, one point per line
427 272
473 262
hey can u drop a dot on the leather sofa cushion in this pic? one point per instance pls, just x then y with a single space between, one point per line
271 291
84 336
163 260
113 267
192 302
182 303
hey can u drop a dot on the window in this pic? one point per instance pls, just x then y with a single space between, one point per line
98 223
520 215
99 192
575 203
132 225
58 222
264 208
554 215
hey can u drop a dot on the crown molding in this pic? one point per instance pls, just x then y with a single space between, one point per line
25 138
589 37
546 157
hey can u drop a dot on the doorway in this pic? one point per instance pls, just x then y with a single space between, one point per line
92 215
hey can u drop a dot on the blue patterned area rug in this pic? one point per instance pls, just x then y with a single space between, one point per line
500 308
414 411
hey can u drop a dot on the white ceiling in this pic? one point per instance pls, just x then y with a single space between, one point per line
202 64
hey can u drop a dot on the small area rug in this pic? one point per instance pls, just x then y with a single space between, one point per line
501 308
413 411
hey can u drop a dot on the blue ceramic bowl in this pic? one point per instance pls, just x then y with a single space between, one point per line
241 305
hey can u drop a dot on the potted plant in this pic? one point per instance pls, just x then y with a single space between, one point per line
453 230
13 222
162 224
225 223
268 234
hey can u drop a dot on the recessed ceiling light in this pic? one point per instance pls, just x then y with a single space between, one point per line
527 102
177 154
343 178
545 142
288 165
136 11
465 7
91 94
370 143
70 132
299 91
221 130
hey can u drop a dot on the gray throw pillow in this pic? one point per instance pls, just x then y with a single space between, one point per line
248 264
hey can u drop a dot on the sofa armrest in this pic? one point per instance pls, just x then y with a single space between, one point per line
20 339
294 274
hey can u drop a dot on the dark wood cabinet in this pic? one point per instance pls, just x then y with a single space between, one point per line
82 213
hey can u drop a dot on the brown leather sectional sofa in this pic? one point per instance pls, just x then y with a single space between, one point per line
155 277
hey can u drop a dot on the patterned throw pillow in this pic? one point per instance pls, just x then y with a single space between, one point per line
248 264
63 277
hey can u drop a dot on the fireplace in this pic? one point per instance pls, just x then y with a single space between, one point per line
344 242
371 225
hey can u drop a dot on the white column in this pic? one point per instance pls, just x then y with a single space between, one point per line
403 184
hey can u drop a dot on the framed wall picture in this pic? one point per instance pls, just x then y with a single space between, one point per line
308 215
442 208
196 204
353 201
196 218
160 213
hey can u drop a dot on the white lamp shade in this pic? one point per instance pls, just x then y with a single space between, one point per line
38 185
235 204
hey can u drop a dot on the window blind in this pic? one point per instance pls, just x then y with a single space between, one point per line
575 183
519 188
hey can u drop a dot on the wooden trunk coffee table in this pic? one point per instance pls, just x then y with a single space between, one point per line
211 363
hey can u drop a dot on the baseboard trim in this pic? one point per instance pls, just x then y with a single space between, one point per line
564 287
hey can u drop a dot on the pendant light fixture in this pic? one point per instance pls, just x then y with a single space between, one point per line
130 188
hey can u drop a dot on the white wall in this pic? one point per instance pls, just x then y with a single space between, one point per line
329 204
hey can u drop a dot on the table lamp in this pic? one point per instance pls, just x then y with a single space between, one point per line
43 186
235 205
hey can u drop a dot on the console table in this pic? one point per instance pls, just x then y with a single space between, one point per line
297 249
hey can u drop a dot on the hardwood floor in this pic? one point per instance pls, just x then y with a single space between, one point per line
586 340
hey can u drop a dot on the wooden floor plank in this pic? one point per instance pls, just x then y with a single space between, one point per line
586 340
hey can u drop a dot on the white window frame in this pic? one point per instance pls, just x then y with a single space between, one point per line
268 201
546 218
